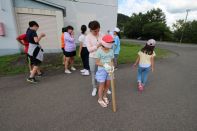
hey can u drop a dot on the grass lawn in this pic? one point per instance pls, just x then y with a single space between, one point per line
16 64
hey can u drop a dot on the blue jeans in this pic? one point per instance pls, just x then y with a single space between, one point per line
142 74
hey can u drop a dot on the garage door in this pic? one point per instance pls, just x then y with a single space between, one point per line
47 25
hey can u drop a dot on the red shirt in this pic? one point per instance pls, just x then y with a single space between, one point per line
24 39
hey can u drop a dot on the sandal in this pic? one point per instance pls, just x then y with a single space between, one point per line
102 103
140 87
106 100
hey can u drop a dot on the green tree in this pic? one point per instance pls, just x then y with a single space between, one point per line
189 30
133 28
156 15
156 30
122 20
152 24
178 28
149 25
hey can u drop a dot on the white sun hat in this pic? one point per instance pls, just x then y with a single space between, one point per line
117 29
151 42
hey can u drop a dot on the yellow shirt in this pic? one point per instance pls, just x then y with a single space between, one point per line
145 59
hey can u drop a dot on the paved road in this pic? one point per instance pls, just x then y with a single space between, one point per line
63 103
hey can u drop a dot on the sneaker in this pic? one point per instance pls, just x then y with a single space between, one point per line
108 92
140 87
39 75
82 71
102 103
94 92
105 99
86 73
73 68
68 71
32 80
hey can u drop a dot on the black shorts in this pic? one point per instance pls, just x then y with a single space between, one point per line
28 59
70 54
35 61
63 50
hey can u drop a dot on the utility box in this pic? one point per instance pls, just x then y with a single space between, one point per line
2 29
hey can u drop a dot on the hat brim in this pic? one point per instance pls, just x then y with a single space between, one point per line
107 45
150 44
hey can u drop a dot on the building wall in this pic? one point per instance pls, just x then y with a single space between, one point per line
50 20
77 13
31 4
83 11
8 43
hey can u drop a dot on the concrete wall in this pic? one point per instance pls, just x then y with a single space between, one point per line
8 43
80 12
83 11
31 4
77 13
50 22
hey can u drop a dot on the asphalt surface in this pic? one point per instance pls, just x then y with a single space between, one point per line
61 102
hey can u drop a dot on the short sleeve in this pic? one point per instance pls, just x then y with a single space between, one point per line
34 34
80 38
153 54
139 53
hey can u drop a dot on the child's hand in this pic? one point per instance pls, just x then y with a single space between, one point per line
99 45
72 34
107 67
134 65
42 35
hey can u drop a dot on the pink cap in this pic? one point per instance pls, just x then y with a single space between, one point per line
107 41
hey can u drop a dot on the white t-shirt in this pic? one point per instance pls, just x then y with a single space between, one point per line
82 39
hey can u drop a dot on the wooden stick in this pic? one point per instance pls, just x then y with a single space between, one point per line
113 92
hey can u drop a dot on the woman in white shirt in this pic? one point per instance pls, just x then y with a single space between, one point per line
83 51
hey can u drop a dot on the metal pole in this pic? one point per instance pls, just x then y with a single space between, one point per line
184 25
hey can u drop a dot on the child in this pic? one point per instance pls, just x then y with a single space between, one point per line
35 51
83 51
145 62
116 46
70 48
104 60
62 43
23 40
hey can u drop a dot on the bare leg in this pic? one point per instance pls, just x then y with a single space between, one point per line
38 71
101 89
33 72
30 67
71 61
107 86
67 62
63 60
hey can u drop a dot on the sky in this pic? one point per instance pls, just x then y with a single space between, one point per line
173 9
